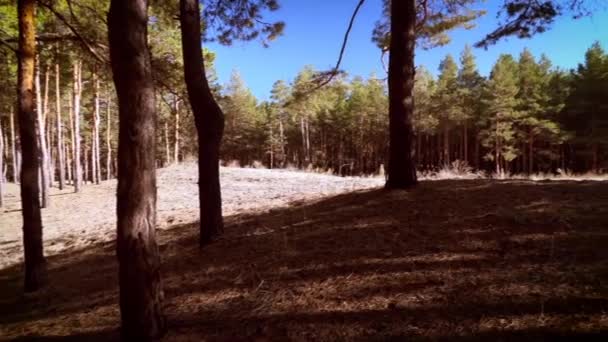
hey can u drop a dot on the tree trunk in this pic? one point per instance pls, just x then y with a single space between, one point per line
209 121
85 147
176 133
497 152
141 293
167 153
95 139
41 128
59 128
108 141
16 168
76 128
282 141
46 146
35 265
401 167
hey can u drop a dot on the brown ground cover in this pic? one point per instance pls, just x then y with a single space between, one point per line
450 260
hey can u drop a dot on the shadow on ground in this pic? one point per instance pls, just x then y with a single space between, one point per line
453 260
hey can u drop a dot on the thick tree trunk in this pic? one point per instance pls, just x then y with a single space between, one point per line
41 128
401 167
59 128
14 159
176 146
77 173
35 265
209 121
141 293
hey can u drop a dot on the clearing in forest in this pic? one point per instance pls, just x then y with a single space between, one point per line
453 259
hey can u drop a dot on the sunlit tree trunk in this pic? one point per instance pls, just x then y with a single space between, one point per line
167 152
176 145
109 140
15 160
76 159
209 121
59 128
41 128
95 140
35 265
141 293
401 167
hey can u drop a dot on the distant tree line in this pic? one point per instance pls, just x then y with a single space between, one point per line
525 117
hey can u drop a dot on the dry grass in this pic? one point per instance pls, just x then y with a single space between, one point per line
454 260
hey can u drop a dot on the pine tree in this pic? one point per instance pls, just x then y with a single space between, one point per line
500 113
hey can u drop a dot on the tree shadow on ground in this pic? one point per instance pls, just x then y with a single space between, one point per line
469 260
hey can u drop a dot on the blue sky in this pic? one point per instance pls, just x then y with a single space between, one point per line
315 28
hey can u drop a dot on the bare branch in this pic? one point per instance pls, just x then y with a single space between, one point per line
325 78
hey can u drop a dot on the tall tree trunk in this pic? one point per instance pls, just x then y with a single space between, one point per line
35 265
14 158
108 141
45 119
167 153
76 128
497 152
59 128
282 141
41 128
401 167
95 139
176 146
209 121
141 293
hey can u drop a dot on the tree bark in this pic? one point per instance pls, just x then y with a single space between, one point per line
59 128
167 153
209 121
77 173
108 140
35 265
16 168
176 146
141 293
41 127
95 139
401 166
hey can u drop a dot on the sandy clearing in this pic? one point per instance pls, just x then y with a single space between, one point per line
74 221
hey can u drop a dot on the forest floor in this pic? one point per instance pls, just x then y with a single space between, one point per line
449 260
